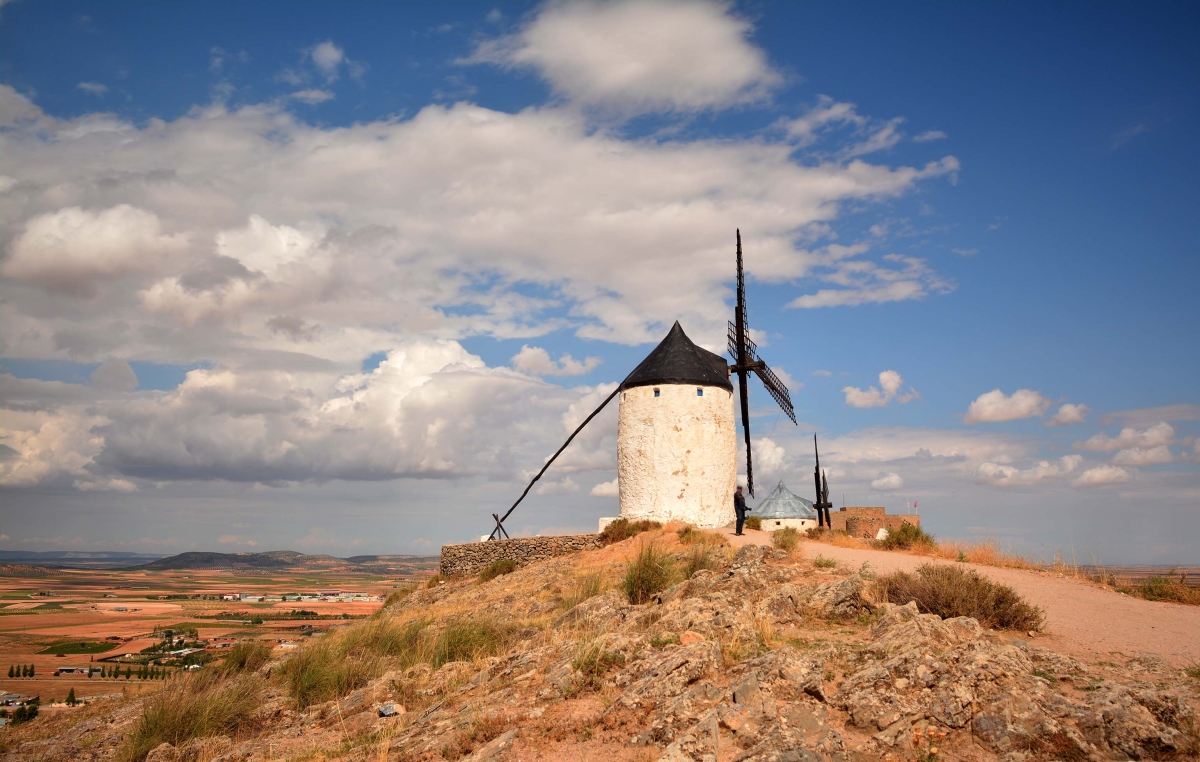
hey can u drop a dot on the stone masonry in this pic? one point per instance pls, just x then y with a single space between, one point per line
471 557
866 521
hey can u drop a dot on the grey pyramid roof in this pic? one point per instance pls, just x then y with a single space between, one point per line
783 504
676 360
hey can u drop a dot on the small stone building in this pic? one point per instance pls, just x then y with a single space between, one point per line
867 521
783 508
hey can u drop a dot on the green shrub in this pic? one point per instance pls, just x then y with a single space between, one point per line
24 714
496 568
951 591
201 705
785 539
650 572
821 562
905 538
588 586
753 522
623 529
245 656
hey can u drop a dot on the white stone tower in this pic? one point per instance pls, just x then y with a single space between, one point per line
676 444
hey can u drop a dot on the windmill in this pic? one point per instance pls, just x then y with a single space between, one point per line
676 436
745 358
821 506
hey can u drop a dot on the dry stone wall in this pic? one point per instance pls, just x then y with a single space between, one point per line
471 557
865 522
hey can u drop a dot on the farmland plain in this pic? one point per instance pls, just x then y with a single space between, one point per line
106 620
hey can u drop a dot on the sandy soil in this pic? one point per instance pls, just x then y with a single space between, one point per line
1082 618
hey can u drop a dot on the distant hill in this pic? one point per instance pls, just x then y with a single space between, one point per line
81 559
289 559
22 570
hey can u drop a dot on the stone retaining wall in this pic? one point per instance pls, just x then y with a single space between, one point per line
865 522
471 557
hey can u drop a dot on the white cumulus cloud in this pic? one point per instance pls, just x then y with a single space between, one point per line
1143 456
327 57
1153 436
563 486
637 55
312 96
887 481
929 135
605 489
995 406
93 88
1101 476
115 375
890 383
536 361
1068 414
1006 475
71 249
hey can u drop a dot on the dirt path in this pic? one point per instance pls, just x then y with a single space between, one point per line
1082 619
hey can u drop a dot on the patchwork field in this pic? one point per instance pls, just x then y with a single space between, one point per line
102 619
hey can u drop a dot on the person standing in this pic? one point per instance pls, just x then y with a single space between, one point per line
739 507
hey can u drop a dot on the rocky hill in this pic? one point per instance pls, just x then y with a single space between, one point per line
758 655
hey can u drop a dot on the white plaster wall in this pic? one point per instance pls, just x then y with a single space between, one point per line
676 457
770 525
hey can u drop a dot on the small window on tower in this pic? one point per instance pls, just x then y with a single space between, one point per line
699 392
655 392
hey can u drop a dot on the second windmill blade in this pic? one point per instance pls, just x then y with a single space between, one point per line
746 360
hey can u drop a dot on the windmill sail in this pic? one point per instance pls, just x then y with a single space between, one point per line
746 360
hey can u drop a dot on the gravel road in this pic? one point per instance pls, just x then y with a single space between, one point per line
1082 619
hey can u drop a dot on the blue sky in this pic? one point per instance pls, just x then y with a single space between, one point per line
969 198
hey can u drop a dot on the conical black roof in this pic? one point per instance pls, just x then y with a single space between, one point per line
676 360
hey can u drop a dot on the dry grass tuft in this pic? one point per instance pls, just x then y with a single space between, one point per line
700 556
650 572
1166 589
435 580
985 553
476 734
753 522
587 586
785 539
594 663
950 591
469 639
198 705
821 562
398 596
344 661
690 535
246 656
497 568
623 529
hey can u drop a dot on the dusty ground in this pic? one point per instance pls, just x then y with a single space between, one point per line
763 657
1082 619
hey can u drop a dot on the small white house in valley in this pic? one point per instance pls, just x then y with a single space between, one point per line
783 508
